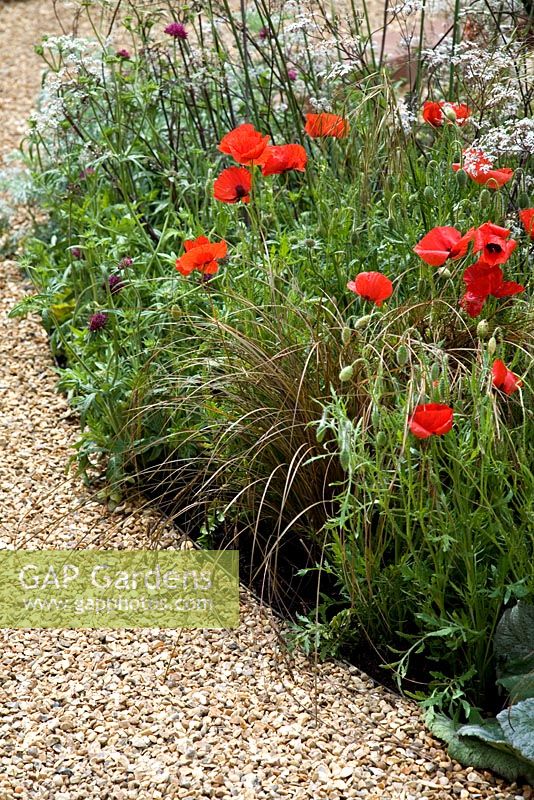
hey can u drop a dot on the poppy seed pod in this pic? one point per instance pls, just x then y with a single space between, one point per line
492 346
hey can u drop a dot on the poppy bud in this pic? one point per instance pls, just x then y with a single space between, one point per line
499 205
444 272
345 335
462 178
346 374
431 167
435 372
485 198
492 346
393 204
429 194
449 112
402 355
381 439
482 329
362 322
524 200
376 417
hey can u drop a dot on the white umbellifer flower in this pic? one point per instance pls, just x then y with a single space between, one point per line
321 104
481 64
404 117
440 55
407 8
514 138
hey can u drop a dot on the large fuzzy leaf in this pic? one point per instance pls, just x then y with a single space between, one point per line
519 686
514 650
517 724
491 751
514 637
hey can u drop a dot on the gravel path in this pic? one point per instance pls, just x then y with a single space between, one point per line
155 714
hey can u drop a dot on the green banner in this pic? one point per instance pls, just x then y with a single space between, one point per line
119 589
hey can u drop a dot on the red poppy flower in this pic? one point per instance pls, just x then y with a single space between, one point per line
527 218
492 241
431 419
371 286
436 114
503 378
280 158
482 281
442 243
245 144
479 168
201 254
233 185
319 125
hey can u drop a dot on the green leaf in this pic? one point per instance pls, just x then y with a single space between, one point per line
517 723
484 749
514 650
514 637
35 302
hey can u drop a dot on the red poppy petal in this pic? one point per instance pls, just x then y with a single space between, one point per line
508 289
498 372
473 303
511 383
431 419
527 218
435 247
199 242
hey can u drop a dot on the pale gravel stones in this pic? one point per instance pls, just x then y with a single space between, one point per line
149 714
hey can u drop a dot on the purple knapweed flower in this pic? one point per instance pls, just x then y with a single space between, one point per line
125 262
115 284
98 321
76 253
176 30
263 34
125 54
292 74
